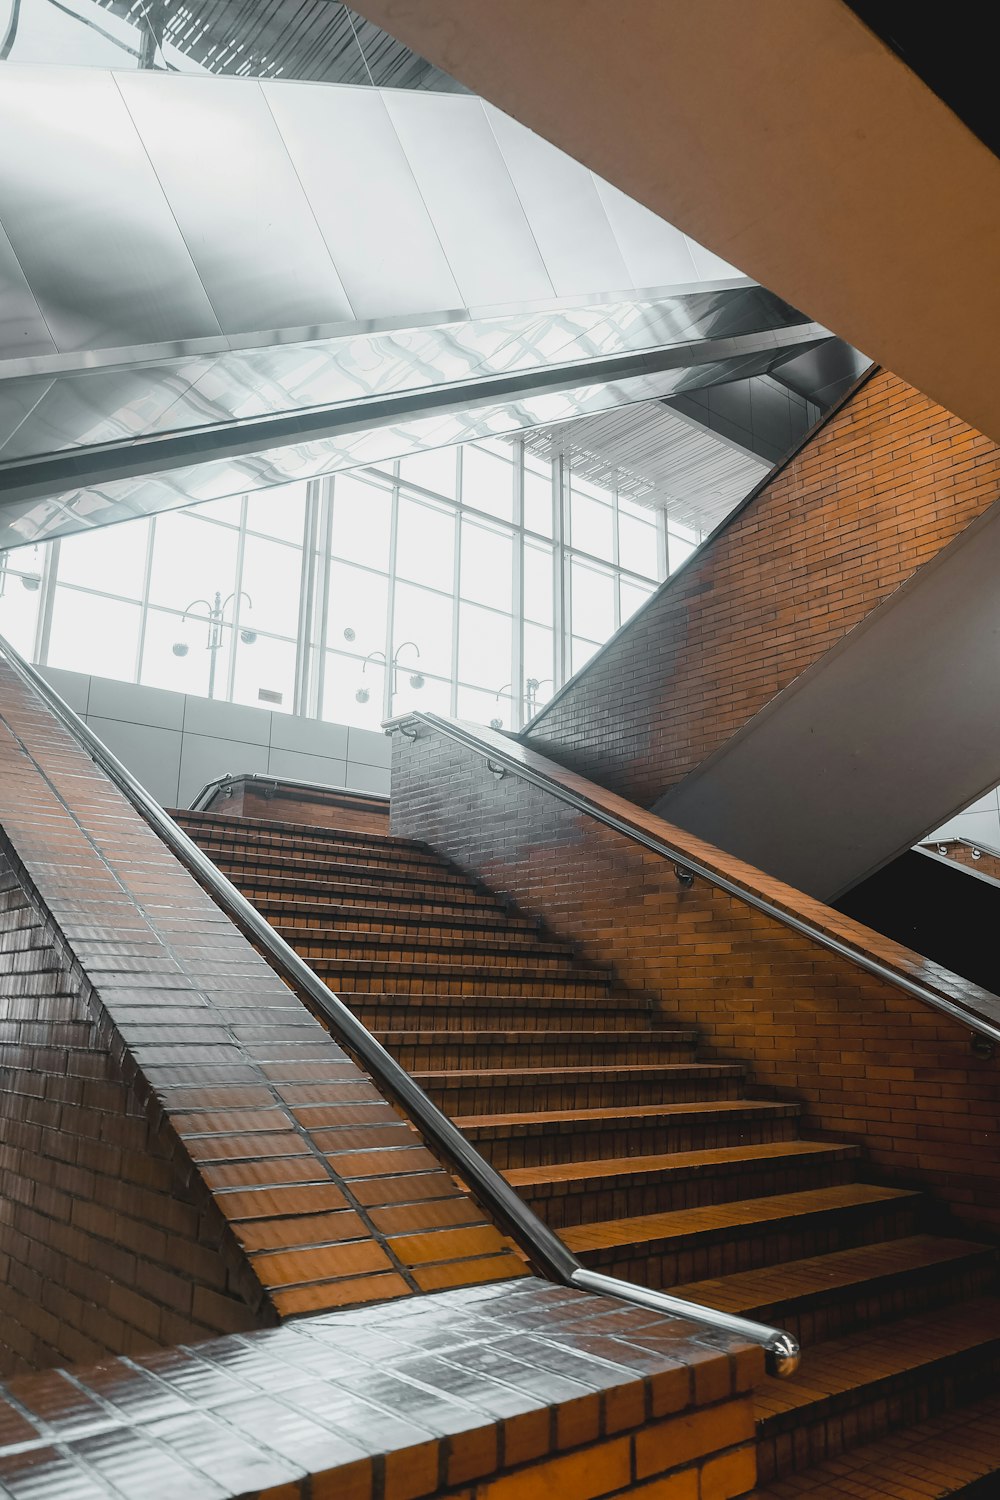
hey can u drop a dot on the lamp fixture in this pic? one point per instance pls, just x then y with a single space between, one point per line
215 620
30 581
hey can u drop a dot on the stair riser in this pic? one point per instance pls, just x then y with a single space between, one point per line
459 1015
548 1052
799 1439
436 979
401 872
590 1145
317 920
281 846
835 1315
585 1202
365 893
527 955
505 1099
667 1264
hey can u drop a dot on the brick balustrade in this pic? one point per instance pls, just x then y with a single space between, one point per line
869 1062
878 491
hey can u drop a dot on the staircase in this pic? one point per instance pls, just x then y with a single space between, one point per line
656 1164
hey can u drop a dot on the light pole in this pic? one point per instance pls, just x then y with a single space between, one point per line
29 581
416 678
215 619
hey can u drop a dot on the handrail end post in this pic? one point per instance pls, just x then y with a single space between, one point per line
782 1356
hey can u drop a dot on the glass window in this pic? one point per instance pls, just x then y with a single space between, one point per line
269 665
483 707
485 641
633 595
434 695
425 617
537 494
192 559
280 512
593 601
538 582
228 512
488 481
362 516
638 546
591 524
19 603
425 543
343 678
189 672
93 634
436 470
272 580
679 549
358 601
582 651
539 660
111 559
487 565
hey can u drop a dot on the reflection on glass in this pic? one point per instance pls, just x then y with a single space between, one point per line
434 695
482 707
163 668
352 690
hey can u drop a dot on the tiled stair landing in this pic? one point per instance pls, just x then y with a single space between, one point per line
653 1164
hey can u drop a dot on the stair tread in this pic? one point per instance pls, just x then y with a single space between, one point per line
389 1036
790 1281
931 1460
843 1365
639 1112
742 1212
581 1073
673 1161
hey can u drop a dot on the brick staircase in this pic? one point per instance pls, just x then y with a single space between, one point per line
654 1164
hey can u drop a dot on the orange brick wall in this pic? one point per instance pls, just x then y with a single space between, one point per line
329 1192
869 1063
878 491
986 864
107 1242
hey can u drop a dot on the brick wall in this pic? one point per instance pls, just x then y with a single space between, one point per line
870 1063
108 1242
962 854
330 1195
283 803
878 491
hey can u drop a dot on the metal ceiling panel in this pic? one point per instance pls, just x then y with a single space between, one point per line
224 170
565 213
366 201
21 323
655 252
465 183
85 216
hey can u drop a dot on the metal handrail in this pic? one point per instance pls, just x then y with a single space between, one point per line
547 1253
694 867
211 787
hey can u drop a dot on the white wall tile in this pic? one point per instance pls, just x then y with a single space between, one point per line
300 767
227 721
308 736
135 704
369 748
151 753
73 687
203 758
368 778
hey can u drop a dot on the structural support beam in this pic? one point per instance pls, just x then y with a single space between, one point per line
785 137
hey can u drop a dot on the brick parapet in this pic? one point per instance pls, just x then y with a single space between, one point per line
869 1062
875 494
276 1124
